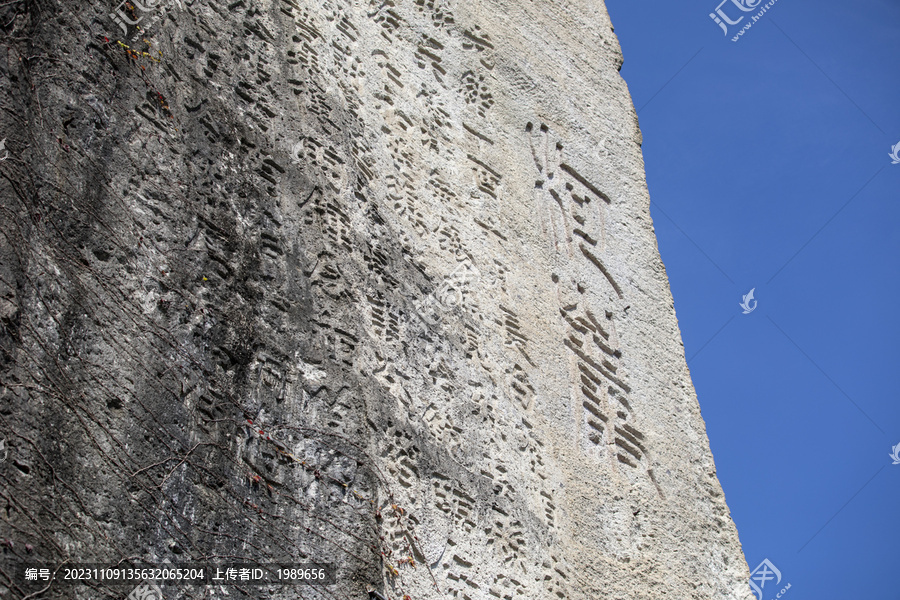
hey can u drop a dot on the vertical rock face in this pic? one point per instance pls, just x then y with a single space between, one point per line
368 283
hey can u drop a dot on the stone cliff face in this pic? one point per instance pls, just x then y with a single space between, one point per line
372 284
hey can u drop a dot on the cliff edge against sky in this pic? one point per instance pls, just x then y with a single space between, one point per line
372 284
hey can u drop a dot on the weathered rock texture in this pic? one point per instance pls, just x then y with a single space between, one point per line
371 283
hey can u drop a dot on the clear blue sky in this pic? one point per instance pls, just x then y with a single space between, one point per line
768 167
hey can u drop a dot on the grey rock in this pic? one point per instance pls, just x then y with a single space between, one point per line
371 284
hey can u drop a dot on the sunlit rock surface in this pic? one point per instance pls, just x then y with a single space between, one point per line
372 284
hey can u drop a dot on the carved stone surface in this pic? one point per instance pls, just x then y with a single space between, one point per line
369 283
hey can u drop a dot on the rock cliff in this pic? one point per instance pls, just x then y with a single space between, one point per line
365 283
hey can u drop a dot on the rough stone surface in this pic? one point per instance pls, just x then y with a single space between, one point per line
365 283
